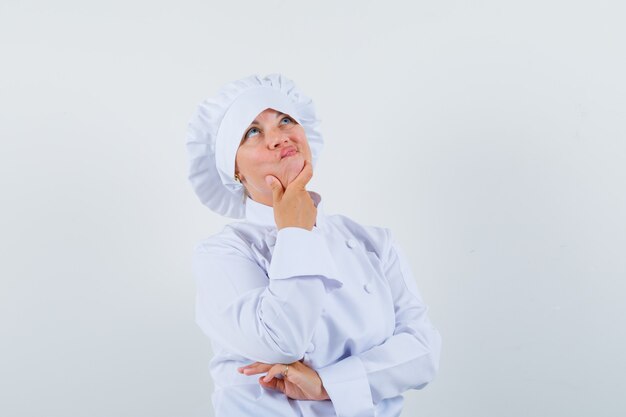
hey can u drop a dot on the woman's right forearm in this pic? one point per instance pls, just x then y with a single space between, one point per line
273 321
301 273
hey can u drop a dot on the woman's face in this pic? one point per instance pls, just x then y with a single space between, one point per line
273 144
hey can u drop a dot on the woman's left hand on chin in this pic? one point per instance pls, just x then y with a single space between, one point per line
301 382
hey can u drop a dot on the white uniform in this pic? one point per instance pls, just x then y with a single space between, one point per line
341 297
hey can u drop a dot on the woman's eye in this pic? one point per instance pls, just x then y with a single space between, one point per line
251 131
286 118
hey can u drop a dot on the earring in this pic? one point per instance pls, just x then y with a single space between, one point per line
237 178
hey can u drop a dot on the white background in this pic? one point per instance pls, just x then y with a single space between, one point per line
489 136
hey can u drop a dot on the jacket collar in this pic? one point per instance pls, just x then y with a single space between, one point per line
261 214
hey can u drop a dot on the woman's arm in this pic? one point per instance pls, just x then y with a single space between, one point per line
268 317
409 359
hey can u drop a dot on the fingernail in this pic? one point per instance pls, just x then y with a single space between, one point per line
266 378
268 180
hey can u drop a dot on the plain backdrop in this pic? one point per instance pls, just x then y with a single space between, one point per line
489 136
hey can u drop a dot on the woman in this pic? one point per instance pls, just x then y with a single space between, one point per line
325 308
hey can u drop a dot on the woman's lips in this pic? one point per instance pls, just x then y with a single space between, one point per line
288 152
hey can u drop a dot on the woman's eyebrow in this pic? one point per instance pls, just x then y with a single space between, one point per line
256 122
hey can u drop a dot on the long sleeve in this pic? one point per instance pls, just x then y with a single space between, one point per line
267 317
409 359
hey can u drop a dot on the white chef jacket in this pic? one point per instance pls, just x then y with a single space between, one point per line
340 297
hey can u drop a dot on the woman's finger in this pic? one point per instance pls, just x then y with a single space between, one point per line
241 368
269 384
255 368
275 384
276 186
279 385
274 370
294 374
303 177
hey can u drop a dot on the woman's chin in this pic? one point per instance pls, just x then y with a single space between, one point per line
293 166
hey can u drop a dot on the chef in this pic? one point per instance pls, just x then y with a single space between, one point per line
308 313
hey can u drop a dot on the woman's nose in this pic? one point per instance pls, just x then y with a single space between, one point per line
275 137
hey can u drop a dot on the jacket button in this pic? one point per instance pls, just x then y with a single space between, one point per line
368 288
351 243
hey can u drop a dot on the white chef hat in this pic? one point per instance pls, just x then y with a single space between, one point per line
217 127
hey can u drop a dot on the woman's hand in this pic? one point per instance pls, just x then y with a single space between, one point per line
301 382
293 206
